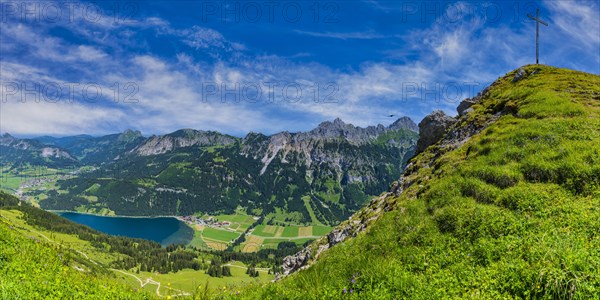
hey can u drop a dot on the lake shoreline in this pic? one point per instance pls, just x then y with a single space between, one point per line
114 216
165 230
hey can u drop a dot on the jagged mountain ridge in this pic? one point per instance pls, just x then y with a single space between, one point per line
91 150
304 143
156 145
322 175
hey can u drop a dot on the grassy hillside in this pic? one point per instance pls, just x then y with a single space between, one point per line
34 269
512 213
44 256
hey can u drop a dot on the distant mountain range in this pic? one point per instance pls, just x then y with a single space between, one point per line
17 151
319 176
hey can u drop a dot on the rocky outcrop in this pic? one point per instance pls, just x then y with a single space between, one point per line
432 128
337 236
465 106
519 75
294 262
182 138
53 152
358 223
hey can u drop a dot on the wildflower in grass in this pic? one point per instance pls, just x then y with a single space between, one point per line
345 291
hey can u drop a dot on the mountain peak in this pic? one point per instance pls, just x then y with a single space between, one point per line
404 123
6 138
131 131
336 124
338 121
129 135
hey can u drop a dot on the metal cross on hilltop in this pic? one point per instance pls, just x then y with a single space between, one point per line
537 33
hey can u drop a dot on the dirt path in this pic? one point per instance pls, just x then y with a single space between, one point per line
152 282
240 267
48 239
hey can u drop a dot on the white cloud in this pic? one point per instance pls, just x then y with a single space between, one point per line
579 19
86 53
61 118
198 37
574 31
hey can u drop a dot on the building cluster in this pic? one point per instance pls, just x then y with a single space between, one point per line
210 221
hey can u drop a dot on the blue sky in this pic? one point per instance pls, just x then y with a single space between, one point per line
267 66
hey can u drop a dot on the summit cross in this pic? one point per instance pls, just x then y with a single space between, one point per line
537 33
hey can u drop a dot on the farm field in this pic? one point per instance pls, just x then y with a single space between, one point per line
219 234
10 182
268 236
239 222
285 232
262 236
212 238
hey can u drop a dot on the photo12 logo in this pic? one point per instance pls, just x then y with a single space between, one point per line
269 11
69 11
270 92
53 92
454 12
451 92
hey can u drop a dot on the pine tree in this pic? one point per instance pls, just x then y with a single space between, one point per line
226 271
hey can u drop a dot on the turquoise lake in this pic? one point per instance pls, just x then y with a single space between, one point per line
164 230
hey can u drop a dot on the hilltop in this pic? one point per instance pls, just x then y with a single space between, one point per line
504 203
